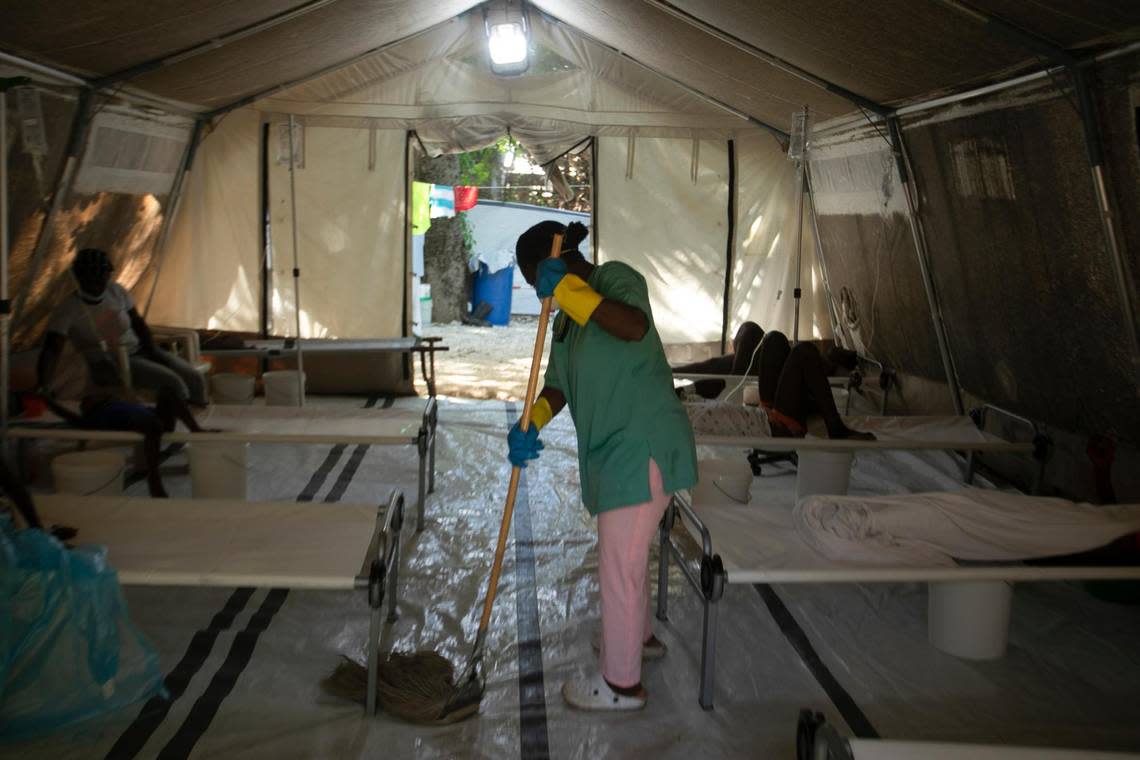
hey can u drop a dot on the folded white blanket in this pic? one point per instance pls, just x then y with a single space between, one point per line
970 524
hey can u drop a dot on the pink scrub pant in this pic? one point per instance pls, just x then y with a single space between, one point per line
624 536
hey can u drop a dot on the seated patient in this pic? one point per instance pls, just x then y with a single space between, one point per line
744 343
108 408
99 318
794 386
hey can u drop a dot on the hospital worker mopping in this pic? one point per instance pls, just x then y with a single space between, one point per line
635 444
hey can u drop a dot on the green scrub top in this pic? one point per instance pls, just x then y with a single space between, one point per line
621 397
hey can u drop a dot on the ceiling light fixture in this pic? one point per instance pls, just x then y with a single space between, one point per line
508 37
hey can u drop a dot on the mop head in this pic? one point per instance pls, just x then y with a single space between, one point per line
418 687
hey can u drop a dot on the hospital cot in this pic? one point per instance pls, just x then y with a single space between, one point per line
217 542
271 348
756 543
818 740
288 425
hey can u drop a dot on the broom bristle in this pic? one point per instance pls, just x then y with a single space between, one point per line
414 686
349 681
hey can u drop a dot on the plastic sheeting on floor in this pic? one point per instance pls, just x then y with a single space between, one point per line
246 664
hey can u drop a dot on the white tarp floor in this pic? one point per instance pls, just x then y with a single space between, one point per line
249 665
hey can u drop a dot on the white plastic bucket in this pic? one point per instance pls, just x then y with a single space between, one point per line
89 473
232 388
723 481
751 394
969 619
823 472
281 388
217 470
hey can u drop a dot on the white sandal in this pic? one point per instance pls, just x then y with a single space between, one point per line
654 650
593 693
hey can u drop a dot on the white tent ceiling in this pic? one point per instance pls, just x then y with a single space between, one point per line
889 51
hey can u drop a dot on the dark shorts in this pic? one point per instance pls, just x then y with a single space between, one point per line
117 415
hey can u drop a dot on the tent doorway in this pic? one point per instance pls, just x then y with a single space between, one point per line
464 261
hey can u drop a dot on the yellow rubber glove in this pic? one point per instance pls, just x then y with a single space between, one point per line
541 413
576 298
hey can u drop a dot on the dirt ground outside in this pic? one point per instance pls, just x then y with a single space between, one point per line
494 362
486 362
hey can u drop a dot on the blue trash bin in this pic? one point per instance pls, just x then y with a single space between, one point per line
494 288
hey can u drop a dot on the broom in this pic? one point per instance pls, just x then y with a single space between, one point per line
420 686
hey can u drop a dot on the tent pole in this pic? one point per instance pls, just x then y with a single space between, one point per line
410 295
5 304
730 247
264 229
62 188
801 129
1095 150
839 123
174 202
594 198
296 259
831 310
129 94
910 194
773 60
213 44
798 292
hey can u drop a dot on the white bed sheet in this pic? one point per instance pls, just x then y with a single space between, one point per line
975 524
221 542
758 543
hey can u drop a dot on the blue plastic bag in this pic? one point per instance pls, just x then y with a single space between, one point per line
68 650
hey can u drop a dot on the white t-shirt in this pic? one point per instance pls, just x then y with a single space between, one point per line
85 324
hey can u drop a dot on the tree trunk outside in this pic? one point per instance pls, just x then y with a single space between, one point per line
445 256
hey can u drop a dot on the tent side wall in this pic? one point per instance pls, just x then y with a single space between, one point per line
211 268
350 212
1019 258
350 221
668 227
870 254
124 169
764 256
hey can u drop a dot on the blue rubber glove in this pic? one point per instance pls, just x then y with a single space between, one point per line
550 273
523 446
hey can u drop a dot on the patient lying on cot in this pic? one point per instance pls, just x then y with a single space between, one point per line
793 387
744 345
745 360
110 408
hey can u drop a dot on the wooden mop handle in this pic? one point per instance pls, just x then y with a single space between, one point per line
513 488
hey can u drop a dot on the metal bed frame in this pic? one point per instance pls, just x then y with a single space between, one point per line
424 441
378 575
272 348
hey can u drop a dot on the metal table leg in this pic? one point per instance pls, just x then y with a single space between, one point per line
712 588
431 446
422 448
373 655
